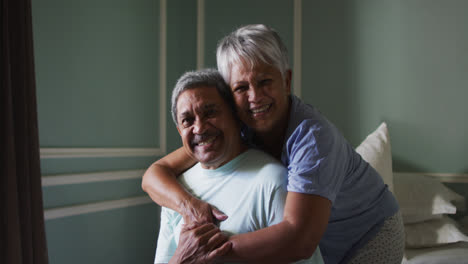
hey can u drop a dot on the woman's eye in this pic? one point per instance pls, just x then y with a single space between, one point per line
210 113
241 88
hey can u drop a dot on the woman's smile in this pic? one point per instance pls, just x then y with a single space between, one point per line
260 110
261 95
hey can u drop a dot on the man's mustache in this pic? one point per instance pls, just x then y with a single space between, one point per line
200 138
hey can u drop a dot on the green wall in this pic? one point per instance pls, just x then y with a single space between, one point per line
113 236
95 50
363 62
402 62
222 17
430 111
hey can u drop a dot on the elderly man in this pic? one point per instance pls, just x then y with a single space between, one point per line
247 185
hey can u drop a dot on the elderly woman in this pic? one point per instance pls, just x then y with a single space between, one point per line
335 199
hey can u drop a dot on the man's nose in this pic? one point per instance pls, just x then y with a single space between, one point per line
199 126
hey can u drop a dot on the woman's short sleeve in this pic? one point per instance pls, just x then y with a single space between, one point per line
316 158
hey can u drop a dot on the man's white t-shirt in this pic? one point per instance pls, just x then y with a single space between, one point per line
250 190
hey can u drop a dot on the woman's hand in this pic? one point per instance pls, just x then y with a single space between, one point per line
198 212
200 244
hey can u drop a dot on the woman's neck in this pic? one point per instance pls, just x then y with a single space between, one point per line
272 141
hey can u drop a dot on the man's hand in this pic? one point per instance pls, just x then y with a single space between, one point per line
200 244
198 212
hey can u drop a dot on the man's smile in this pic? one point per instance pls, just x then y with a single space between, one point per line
206 141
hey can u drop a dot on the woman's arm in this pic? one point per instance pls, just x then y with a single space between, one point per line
296 237
160 183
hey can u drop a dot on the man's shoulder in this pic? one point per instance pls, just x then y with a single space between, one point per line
267 168
261 155
260 158
253 165
194 169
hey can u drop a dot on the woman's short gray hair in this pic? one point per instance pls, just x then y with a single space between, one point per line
197 79
251 45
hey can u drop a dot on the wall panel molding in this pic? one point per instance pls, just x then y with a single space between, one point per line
102 152
162 77
200 34
79 178
67 211
297 52
72 152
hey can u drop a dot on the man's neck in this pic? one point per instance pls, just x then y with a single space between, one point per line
242 148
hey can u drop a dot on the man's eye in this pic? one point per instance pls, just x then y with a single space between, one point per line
265 82
186 122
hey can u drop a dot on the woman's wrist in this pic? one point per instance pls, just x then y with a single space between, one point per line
196 211
184 203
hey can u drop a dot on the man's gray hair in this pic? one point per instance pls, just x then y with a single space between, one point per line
198 79
249 46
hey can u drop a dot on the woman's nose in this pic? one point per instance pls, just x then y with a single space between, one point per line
255 94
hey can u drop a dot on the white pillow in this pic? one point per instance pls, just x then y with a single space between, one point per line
422 198
433 233
376 150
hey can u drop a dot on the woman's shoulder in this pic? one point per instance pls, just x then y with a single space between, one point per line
315 131
305 118
310 132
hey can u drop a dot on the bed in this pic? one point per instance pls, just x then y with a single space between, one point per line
436 225
436 230
456 253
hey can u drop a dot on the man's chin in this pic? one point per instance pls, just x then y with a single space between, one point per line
209 161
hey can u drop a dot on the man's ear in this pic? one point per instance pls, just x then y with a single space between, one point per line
178 130
287 81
